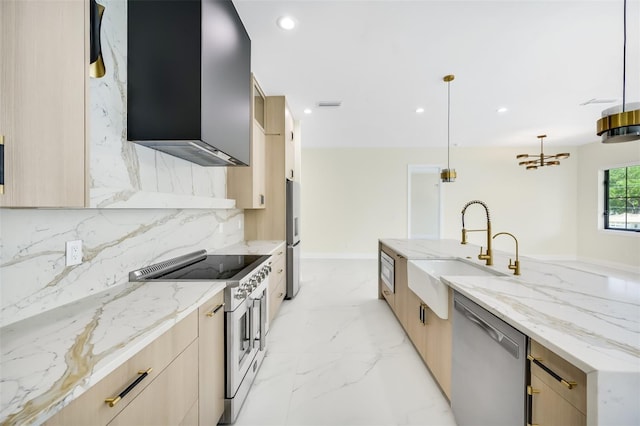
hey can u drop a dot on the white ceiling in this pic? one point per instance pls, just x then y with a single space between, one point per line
383 59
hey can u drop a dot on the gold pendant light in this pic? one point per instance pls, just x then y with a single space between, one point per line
541 160
448 174
617 124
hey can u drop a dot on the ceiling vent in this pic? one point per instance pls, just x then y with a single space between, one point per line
329 104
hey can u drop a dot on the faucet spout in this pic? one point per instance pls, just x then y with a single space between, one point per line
516 266
488 256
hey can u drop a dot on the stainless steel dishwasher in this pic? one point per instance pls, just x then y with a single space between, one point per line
489 368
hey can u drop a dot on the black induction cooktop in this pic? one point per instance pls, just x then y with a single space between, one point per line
215 267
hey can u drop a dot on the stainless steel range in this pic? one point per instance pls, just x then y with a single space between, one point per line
245 319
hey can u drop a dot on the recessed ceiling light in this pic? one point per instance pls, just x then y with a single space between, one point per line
307 111
502 110
286 23
419 110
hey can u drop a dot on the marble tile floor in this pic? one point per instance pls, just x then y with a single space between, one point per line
338 356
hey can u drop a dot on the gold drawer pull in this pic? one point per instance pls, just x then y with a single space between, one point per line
386 292
280 271
142 374
531 390
214 310
537 361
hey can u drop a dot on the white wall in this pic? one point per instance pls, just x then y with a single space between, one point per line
594 243
352 197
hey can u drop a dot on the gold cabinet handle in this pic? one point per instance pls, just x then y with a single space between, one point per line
280 270
142 374
214 310
386 292
569 384
531 390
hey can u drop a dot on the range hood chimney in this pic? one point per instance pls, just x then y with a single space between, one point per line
189 80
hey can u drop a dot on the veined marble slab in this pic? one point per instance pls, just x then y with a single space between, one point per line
50 359
252 247
590 319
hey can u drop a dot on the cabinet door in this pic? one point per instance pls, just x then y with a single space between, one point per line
550 409
168 399
211 360
438 341
416 322
290 145
402 291
43 82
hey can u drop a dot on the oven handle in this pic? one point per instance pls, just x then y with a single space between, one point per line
263 317
252 331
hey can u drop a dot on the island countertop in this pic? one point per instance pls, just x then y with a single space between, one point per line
587 314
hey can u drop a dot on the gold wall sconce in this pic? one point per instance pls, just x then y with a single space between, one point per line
541 160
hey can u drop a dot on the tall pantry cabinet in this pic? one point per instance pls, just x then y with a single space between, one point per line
44 74
282 149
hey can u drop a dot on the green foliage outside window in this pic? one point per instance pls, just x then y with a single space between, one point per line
622 198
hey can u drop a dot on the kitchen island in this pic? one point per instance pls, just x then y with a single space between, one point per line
587 314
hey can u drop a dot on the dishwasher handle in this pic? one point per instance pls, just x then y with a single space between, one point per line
508 344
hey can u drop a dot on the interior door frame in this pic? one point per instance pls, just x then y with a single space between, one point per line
431 169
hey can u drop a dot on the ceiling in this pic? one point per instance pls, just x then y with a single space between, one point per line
542 60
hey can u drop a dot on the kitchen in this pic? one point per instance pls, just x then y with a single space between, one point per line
119 239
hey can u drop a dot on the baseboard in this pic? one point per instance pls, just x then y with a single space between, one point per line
304 255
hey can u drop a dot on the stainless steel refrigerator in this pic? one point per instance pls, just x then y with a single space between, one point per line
293 238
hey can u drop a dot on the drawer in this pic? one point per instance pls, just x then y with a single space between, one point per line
90 407
550 409
577 394
276 297
278 273
388 296
169 397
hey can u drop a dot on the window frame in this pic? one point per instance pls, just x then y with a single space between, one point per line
606 226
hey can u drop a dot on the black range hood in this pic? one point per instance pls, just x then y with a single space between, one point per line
189 80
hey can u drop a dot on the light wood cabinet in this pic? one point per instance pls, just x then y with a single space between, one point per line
43 104
270 223
558 389
430 334
438 346
277 282
171 388
168 399
247 185
211 360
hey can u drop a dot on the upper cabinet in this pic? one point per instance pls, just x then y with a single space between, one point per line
188 67
43 107
247 185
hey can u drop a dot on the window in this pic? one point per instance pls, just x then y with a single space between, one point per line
622 198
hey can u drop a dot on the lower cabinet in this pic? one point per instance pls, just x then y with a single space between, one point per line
168 399
557 390
178 379
277 282
430 334
211 360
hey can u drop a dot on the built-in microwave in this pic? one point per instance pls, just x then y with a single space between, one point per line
387 271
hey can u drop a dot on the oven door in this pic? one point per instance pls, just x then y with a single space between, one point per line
241 351
259 307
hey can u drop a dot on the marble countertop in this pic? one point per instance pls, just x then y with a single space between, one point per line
589 315
48 360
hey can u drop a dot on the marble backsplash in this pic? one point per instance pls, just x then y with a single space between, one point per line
122 172
33 275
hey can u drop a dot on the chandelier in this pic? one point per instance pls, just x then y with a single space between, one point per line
541 160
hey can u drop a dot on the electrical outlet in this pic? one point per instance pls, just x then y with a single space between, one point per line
73 253
221 227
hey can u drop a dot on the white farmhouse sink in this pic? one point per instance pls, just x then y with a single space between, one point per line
424 280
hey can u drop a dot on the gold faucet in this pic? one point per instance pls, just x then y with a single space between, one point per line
516 266
488 256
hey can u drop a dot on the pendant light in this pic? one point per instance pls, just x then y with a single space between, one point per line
541 160
448 174
617 124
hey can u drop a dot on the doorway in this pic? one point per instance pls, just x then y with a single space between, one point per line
423 204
